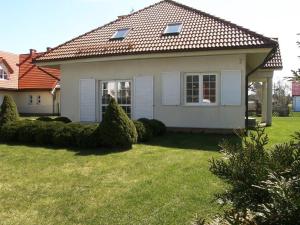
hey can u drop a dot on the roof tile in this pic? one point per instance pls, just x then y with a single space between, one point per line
200 31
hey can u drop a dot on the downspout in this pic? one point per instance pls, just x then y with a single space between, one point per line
53 93
268 57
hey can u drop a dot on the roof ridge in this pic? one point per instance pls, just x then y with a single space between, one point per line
218 18
98 28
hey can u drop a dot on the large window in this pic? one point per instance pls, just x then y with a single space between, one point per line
120 90
200 89
3 74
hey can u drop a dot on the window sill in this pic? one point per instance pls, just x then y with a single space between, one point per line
200 105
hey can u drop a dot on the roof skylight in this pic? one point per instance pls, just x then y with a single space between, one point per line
120 33
173 28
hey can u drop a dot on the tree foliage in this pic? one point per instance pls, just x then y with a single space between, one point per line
264 183
9 111
116 129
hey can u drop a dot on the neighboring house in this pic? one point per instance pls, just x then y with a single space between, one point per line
170 62
296 96
35 89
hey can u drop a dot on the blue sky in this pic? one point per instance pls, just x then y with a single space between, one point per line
40 23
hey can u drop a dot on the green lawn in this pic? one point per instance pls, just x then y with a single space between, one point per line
164 182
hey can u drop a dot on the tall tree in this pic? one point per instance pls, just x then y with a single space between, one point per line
296 73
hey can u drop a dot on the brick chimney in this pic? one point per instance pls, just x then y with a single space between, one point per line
32 52
121 17
49 49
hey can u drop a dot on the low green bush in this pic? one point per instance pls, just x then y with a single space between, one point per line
143 134
47 131
62 119
158 127
50 133
154 127
28 131
9 131
45 118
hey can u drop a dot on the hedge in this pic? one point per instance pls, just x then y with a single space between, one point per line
59 119
49 133
56 133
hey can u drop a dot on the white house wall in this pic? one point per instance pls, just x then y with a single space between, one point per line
22 101
173 116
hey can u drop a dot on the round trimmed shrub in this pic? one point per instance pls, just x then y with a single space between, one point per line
45 119
9 111
116 129
158 127
143 134
62 119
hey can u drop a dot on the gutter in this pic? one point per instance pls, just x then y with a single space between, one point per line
268 57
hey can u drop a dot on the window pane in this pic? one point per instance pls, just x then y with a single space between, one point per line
192 89
209 91
173 28
121 33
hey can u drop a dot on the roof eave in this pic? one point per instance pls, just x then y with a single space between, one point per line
212 50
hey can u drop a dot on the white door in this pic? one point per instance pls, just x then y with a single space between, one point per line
143 97
87 88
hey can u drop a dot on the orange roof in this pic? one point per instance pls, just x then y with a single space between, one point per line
200 31
35 77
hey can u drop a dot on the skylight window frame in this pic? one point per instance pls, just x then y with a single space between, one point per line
180 24
115 37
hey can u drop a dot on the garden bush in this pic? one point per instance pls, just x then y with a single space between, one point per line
143 134
154 127
47 131
9 111
62 119
158 127
45 119
116 129
50 133
264 182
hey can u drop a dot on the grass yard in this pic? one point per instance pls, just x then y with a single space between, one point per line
164 182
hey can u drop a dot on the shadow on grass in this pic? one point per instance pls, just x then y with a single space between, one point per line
78 151
192 141
186 141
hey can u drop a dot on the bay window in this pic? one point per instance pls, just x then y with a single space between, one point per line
120 90
200 89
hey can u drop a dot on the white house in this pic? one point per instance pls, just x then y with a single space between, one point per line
170 62
34 89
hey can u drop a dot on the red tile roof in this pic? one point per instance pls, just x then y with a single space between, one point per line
200 31
10 60
2 60
34 77
275 62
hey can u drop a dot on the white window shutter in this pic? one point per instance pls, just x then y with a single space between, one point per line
170 88
231 87
87 89
143 97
